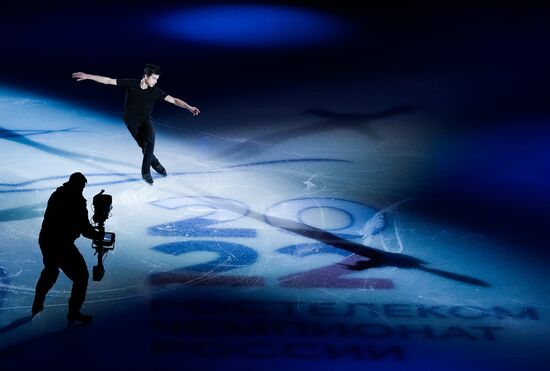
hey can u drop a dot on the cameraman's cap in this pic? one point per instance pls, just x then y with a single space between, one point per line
78 179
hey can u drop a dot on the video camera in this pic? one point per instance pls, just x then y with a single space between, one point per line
102 205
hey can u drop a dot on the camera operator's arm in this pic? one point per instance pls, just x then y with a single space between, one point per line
92 233
87 229
80 76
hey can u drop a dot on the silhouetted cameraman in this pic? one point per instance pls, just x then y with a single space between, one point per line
65 219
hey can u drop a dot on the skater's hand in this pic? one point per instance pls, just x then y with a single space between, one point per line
79 76
194 110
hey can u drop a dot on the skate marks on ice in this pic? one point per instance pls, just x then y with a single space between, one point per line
42 184
359 122
285 215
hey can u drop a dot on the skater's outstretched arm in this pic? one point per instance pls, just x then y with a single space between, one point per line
178 102
80 76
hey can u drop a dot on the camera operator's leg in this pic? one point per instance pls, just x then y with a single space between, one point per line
74 266
45 283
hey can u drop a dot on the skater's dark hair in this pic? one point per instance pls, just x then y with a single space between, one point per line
151 69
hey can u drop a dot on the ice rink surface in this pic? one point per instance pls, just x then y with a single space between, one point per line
291 232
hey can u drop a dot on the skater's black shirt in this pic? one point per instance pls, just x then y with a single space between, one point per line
138 103
138 107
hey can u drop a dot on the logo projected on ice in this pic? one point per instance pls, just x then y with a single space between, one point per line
333 225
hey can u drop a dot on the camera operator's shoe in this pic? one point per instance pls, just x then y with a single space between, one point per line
148 178
75 319
37 308
159 168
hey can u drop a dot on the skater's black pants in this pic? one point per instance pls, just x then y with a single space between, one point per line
144 135
70 261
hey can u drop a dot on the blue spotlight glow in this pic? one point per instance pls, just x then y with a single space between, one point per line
253 26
